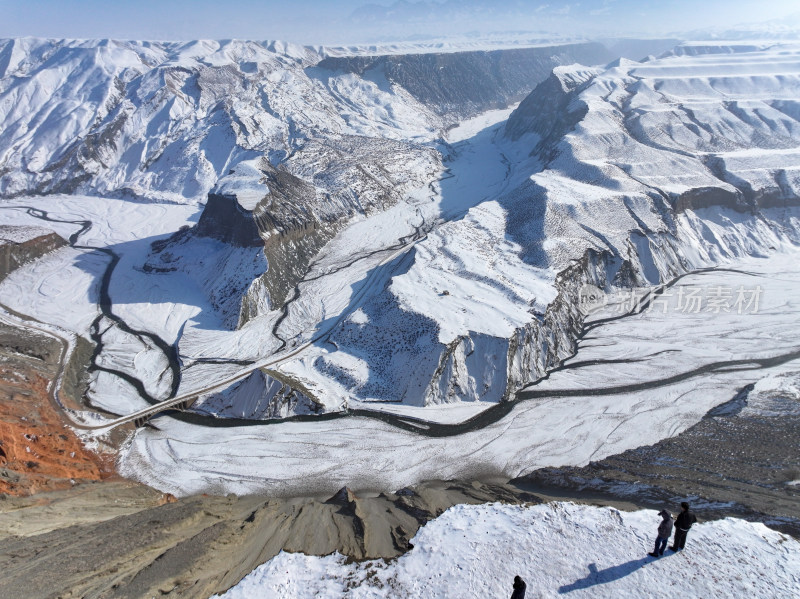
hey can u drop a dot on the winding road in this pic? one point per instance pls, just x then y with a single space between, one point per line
183 401
177 404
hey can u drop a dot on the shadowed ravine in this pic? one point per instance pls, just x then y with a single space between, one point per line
418 234
419 426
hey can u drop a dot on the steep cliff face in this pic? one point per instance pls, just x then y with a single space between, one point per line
463 84
634 181
225 219
549 111
20 245
223 253
480 367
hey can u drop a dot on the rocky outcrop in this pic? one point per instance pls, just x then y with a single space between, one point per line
294 231
462 84
130 541
225 219
38 452
706 197
548 111
262 395
20 245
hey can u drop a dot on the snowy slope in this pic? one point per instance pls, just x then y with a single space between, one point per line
558 548
619 162
404 270
633 381
165 120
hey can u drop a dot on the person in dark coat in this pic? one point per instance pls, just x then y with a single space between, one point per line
519 588
664 531
683 523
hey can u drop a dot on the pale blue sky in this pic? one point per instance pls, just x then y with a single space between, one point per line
342 21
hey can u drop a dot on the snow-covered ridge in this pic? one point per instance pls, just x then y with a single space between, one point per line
558 548
165 120
605 163
22 244
447 45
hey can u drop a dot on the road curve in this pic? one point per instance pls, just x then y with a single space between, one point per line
16 319
408 423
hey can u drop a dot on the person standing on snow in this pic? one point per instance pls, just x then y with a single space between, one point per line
683 523
664 531
519 588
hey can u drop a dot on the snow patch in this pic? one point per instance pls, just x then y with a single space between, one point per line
557 548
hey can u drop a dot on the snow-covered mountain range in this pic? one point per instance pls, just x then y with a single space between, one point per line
165 121
295 231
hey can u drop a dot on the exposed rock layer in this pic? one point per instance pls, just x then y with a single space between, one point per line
38 452
465 83
17 247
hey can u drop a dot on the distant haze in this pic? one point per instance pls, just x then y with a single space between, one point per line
356 21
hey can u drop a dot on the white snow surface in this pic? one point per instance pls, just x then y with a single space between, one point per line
378 318
165 120
569 424
62 289
558 549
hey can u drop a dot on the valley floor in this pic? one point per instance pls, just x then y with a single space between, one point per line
635 380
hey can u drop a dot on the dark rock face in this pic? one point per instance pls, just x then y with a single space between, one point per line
224 219
704 197
465 83
744 199
547 111
18 248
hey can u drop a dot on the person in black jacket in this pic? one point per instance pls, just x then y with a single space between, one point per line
519 588
664 531
683 523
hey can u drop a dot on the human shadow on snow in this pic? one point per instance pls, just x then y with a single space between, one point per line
610 574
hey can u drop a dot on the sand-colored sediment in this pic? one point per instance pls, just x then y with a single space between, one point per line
121 539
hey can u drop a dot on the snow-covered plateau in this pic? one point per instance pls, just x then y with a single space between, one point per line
363 266
558 549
